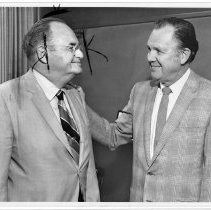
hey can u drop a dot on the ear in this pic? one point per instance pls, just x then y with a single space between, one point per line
41 52
185 54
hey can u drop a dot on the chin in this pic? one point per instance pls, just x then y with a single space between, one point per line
75 70
78 71
155 76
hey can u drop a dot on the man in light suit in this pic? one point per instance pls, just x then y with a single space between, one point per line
36 154
175 165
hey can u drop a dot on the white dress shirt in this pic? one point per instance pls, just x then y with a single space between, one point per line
50 91
176 89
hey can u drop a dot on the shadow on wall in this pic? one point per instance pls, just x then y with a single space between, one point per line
114 172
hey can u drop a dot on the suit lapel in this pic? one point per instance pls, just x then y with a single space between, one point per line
43 106
147 120
80 119
187 94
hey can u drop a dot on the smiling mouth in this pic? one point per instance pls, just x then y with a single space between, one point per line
76 62
155 67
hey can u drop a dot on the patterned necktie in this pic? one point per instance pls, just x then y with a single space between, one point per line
69 127
162 112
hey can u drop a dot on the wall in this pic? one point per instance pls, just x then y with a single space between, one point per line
93 17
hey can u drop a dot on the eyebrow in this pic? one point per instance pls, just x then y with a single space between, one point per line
157 47
72 44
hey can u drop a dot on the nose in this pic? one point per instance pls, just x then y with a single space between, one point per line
79 53
151 56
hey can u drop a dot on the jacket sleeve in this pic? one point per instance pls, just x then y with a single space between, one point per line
206 179
6 139
113 134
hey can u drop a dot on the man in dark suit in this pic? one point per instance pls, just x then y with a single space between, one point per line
168 121
45 145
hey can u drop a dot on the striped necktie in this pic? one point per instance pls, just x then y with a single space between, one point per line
69 127
162 112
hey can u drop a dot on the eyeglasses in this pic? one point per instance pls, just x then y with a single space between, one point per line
71 48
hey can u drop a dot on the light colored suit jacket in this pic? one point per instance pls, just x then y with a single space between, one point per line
180 169
35 157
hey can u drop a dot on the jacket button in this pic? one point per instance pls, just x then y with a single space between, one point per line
150 173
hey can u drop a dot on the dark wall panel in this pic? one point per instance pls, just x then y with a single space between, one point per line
89 17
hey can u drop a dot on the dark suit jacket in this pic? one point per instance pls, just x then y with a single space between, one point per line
180 169
35 156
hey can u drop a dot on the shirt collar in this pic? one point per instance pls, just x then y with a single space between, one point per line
47 86
178 85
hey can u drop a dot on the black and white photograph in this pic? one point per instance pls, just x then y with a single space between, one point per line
105 106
